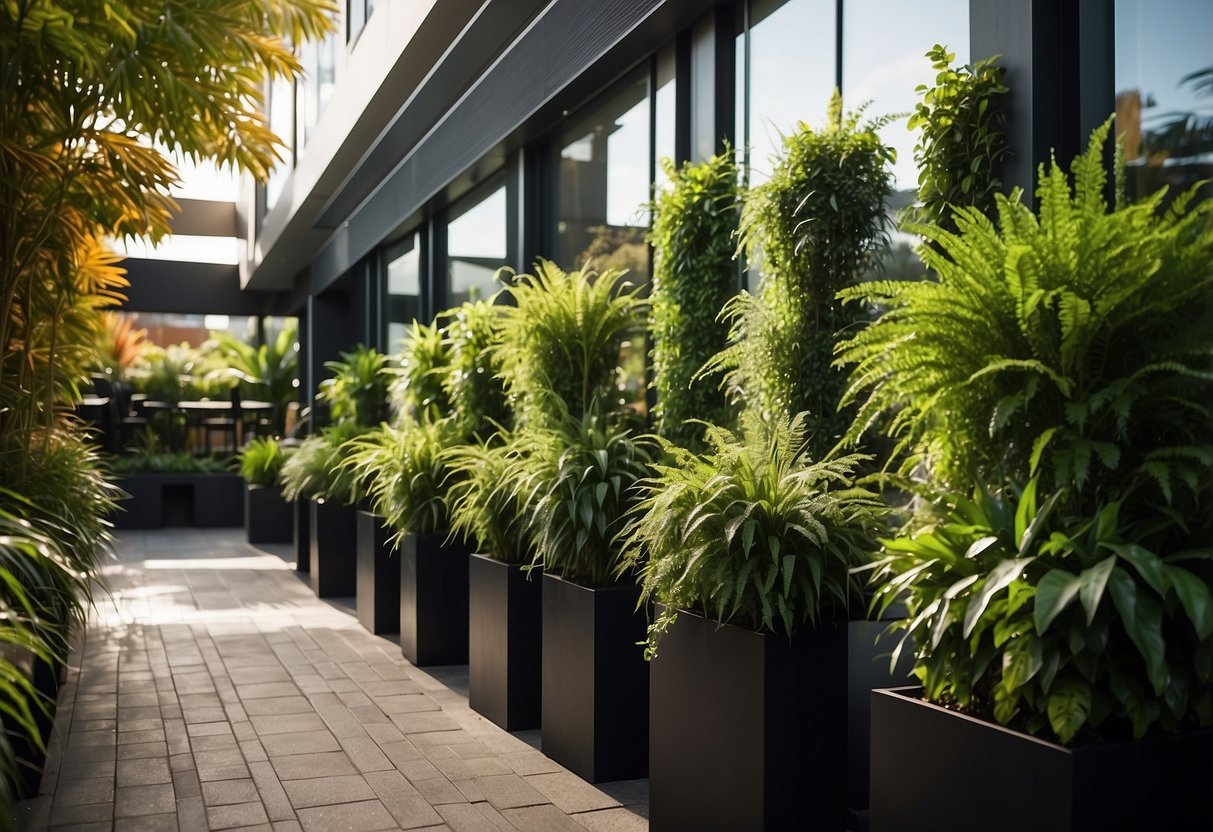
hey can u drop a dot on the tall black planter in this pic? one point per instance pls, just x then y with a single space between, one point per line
505 635
971 774
378 576
748 730
267 516
334 561
595 681
302 513
433 599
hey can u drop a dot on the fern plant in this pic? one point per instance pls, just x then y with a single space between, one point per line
357 392
694 275
574 483
418 388
1073 344
261 461
1069 626
560 341
962 142
752 531
811 229
405 473
482 499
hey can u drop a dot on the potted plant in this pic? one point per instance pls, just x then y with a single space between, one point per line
1056 585
175 488
267 515
747 549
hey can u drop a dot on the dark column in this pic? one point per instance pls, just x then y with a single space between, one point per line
332 328
712 88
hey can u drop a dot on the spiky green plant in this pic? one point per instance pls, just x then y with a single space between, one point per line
753 531
313 471
418 388
270 371
357 392
1073 343
811 229
482 500
405 473
261 461
694 275
473 384
1069 626
560 340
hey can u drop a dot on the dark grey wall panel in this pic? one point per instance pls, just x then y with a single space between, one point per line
537 71
206 218
188 288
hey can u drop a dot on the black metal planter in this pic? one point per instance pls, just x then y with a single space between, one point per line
505 635
971 774
378 576
199 500
333 538
268 518
433 599
302 514
748 729
595 718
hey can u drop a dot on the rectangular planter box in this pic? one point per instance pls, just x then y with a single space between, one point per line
505 637
200 500
378 583
595 681
268 518
302 514
334 544
433 599
971 774
747 729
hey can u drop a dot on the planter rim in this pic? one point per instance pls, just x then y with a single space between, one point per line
722 624
913 694
620 587
255 486
491 559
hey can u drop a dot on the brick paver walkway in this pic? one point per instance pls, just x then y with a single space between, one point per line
214 691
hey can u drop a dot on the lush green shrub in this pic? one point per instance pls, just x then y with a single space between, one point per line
405 474
574 482
473 384
419 388
560 341
694 275
269 372
357 392
812 229
752 531
313 471
168 462
261 461
963 142
482 501
1068 626
1074 343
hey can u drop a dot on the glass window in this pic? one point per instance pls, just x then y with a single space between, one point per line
1164 92
476 247
282 122
402 298
884 60
665 112
791 72
603 180
319 73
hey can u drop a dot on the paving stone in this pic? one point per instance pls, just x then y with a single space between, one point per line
303 742
424 722
368 816
138 750
165 822
143 772
322 791
570 793
90 790
614 820
236 815
286 723
265 690
223 764
225 792
278 705
507 791
144 800
62 815
303 766
186 783
439 790
474 817
273 796
542 819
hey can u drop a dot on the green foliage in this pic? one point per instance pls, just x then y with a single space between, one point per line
168 462
418 388
694 275
261 461
406 474
752 531
1074 344
270 371
812 229
962 142
560 341
357 392
574 482
472 383
482 501
1058 624
314 470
